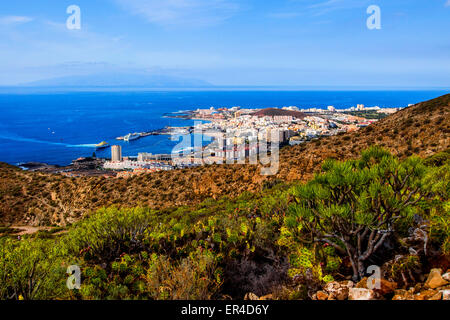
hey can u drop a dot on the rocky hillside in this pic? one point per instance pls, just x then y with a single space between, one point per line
35 198
422 129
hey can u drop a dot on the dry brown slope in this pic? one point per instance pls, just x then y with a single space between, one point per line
41 199
422 129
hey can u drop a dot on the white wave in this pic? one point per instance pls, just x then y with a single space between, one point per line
32 140
87 145
23 139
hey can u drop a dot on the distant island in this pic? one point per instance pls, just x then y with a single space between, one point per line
118 79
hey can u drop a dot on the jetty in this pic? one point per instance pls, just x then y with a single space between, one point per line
163 131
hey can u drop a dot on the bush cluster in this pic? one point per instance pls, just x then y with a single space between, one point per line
333 226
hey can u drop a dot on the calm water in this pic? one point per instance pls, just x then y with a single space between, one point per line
61 126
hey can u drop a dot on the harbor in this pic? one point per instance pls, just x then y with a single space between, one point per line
164 131
227 134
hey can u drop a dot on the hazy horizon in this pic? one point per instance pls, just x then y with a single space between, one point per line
284 43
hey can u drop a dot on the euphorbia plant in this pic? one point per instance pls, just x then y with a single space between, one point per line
354 206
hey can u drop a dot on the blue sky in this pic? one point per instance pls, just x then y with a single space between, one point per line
231 42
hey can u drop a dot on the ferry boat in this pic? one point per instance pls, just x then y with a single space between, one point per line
102 145
132 136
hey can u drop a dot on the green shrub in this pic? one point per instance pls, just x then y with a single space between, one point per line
32 269
354 206
110 232
196 277
249 243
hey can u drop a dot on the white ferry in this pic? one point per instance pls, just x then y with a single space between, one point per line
132 136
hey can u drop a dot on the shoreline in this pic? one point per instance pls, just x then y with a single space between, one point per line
205 115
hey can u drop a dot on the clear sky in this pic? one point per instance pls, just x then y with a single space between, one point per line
231 42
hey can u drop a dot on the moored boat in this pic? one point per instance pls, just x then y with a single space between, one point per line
132 136
102 145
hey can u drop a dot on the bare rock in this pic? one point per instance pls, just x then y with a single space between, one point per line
435 279
446 276
418 287
361 294
402 294
347 283
386 287
362 283
437 296
446 287
428 295
321 295
251 296
337 291
445 294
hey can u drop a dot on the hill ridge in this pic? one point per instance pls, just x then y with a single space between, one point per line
272 112
35 198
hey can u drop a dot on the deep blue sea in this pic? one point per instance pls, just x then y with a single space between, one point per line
56 127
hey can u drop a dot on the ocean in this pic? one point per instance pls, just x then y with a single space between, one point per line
56 126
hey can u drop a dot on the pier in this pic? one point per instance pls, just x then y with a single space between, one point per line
163 131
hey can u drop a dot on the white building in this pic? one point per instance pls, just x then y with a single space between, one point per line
116 153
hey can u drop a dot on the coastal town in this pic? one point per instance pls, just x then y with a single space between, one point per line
236 135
